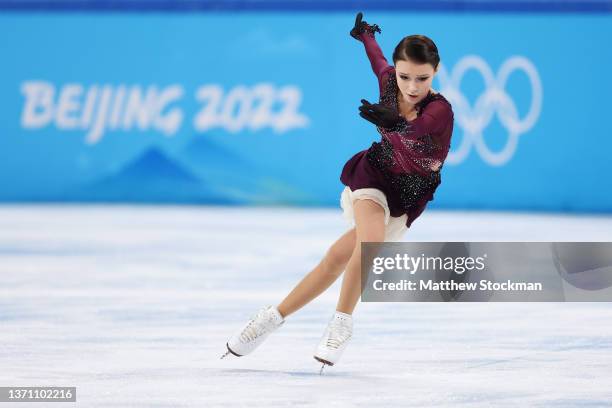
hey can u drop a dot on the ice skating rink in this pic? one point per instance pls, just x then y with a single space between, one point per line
133 305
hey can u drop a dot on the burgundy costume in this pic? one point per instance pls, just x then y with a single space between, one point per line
406 163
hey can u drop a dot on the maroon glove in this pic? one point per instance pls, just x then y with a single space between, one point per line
379 115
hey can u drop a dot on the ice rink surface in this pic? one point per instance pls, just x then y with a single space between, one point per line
133 306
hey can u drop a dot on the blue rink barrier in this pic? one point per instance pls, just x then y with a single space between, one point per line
261 108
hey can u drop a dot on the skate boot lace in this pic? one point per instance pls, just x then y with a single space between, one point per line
338 334
252 331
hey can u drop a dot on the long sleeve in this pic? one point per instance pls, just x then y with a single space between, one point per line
434 120
379 63
422 145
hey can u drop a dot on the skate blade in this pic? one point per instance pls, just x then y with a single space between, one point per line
320 360
229 350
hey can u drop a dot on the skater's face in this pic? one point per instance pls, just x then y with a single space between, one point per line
414 80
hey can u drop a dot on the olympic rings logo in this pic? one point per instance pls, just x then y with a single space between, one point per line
494 100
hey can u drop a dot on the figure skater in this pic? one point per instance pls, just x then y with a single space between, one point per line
387 186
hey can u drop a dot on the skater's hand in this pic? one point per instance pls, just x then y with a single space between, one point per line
361 27
379 115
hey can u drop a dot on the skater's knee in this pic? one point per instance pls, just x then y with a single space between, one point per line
339 253
371 235
335 260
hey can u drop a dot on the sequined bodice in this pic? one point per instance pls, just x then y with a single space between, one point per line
413 142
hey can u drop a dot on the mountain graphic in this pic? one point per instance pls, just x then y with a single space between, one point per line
202 150
238 177
152 177
154 165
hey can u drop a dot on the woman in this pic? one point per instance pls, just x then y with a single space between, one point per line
387 185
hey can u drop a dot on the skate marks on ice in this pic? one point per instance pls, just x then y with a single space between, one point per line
505 355
133 305
603 344
234 372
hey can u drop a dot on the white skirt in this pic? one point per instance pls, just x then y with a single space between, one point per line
395 227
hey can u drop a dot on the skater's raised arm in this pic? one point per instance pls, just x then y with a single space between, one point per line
364 32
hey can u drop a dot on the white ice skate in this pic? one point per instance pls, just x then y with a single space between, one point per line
254 332
335 339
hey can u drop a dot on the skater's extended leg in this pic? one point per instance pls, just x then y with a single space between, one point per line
322 276
370 227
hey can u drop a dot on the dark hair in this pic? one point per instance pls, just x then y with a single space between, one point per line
417 48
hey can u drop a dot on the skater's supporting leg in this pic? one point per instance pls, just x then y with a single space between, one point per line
322 276
370 227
